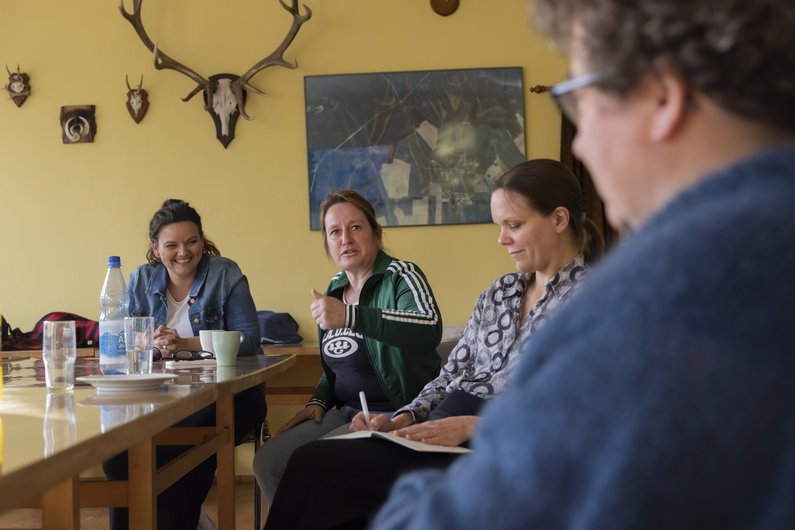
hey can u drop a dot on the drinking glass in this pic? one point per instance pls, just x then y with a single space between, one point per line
59 354
138 339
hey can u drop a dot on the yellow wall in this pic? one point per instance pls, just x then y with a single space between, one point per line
64 208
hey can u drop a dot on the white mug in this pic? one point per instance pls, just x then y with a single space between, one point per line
206 339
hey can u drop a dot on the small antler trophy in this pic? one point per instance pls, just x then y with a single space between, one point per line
224 94
137 100
18 86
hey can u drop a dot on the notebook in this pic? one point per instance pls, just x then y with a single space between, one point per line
411 444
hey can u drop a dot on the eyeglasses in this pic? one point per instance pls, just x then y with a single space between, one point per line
188 355
563 93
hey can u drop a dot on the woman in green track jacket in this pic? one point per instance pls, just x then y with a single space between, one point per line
378 328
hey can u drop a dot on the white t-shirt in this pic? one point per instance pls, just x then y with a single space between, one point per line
178 316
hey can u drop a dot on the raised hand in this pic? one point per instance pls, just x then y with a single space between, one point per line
328 312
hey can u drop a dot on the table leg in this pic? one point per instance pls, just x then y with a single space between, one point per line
61 506
225 477
143 498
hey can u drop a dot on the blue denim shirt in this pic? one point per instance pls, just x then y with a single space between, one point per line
219 299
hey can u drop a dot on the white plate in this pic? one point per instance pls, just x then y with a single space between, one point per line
128 398
110 384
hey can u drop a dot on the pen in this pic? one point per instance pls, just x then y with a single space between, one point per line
365 410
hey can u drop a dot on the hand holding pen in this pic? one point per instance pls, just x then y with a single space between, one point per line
365 410
364 421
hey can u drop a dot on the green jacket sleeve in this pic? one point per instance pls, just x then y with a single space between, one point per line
406 315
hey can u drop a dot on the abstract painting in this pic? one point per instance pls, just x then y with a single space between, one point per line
422 146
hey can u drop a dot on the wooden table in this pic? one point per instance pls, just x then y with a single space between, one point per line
49 438
306 353
307 363
20 354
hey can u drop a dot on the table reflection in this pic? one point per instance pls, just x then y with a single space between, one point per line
111 416
60 424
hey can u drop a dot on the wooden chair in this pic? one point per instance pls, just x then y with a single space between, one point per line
450 337
259 438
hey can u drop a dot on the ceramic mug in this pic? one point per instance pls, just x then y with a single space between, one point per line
226 344
206 339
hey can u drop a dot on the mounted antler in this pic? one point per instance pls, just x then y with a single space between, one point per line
224 93
276 58
131 89
163 61
137 100
18 86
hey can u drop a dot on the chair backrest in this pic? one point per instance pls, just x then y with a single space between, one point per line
444 348
450 337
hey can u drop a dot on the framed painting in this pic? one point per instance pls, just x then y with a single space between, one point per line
422 147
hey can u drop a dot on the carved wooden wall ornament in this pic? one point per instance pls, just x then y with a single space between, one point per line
224 94
78 124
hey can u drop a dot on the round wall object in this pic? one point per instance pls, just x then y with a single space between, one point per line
444 7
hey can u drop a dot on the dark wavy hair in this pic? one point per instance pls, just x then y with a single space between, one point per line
176 211
548 184
738 53
353 198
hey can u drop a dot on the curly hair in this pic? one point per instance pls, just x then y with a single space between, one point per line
738 53
175 211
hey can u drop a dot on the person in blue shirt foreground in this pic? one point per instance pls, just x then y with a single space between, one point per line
662 396
187 286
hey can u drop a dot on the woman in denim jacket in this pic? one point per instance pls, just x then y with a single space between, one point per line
218 298
187 286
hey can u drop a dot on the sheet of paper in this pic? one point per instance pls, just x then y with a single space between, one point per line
411 444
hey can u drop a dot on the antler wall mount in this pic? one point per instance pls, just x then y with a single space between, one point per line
137 100
18 86
224 94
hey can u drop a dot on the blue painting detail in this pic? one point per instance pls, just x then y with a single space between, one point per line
422 147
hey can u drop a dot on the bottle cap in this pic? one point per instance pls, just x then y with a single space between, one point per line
114 262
